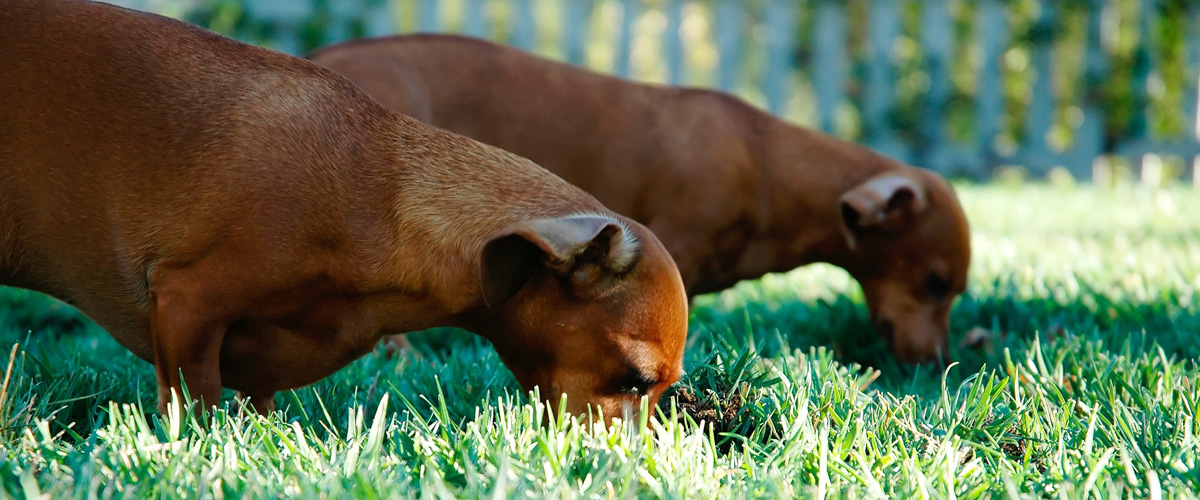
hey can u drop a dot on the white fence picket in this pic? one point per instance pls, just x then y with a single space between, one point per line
622 65
475 22
780 46
829 61
992 30
575 29
729 20
883 28
673 43
1036 154
523 32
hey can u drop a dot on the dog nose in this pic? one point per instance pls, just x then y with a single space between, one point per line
936 357
915 347
940 358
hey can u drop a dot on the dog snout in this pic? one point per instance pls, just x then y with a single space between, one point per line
921 351
628 410
916 345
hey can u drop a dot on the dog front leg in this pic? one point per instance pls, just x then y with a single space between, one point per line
187 344
262 403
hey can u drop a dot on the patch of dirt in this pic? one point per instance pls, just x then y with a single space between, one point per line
711 409
1014 449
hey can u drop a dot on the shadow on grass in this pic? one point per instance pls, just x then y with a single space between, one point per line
71 370
1013 323
68 370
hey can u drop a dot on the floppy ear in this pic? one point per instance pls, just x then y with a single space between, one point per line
887 202
583 248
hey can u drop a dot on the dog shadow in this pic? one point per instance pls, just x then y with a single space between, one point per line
763 327
984 327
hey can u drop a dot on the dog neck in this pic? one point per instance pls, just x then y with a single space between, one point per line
804 173
446 207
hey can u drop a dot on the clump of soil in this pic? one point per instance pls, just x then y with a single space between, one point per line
1014 449
711 409
732 416
723 413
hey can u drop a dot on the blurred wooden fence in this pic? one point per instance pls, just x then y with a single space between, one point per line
804 69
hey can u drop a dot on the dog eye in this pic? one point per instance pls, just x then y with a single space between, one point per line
636 383
937 286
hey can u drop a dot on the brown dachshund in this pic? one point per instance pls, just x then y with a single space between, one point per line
250 220
732 192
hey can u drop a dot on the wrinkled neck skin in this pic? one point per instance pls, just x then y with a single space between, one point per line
804 174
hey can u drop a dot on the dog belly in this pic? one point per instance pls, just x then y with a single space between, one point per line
126 321
259 357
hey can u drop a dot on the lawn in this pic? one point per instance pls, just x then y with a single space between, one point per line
1085 387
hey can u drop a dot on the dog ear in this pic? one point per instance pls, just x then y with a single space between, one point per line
887 202
582 248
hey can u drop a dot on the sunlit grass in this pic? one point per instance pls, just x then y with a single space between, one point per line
1087 388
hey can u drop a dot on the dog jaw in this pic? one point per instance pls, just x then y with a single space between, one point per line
604 342
912 263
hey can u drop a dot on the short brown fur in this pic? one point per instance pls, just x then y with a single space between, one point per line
732 192
255 221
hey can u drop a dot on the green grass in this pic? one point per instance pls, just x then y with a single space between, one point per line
1088 389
